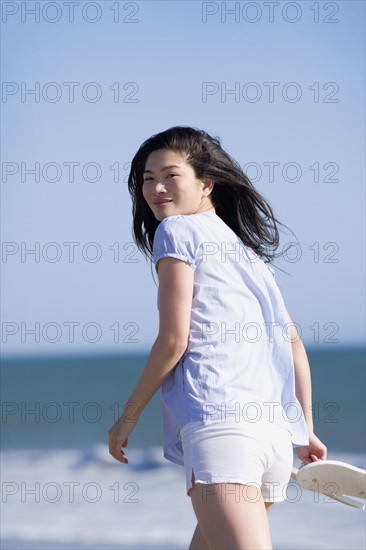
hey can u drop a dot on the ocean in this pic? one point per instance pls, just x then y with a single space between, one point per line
61 489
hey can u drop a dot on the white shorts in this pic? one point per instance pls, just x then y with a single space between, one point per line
251 453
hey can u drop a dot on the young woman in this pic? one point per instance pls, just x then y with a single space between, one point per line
234 374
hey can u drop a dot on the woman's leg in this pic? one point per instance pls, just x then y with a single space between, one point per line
231 516
199 542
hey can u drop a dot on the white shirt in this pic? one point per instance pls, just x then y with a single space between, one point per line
238 362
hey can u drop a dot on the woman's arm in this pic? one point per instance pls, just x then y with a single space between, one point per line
175 304
303 382
302 374
162 359
316 450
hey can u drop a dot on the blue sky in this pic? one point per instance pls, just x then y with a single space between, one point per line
172 68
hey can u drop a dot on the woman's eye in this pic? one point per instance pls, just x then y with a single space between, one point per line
147 179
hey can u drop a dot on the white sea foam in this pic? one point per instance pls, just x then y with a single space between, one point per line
85 499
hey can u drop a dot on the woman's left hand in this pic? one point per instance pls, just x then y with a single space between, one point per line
316 450
118 437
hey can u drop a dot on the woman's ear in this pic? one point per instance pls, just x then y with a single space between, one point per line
209 185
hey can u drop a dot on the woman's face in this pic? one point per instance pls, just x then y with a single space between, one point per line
170 186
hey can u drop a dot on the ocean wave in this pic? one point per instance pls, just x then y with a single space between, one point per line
87 497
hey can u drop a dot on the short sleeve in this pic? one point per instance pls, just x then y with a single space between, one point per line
173 238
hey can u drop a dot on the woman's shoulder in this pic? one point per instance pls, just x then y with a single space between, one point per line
179 225
174 219
186 233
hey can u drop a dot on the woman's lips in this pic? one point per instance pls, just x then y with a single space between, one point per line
162 203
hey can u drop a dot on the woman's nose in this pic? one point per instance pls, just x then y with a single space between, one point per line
158 186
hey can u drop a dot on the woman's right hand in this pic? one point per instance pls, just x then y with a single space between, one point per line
118 437
316 450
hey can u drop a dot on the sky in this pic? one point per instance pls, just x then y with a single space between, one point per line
281 84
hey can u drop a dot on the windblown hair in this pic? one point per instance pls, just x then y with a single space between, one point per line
234 197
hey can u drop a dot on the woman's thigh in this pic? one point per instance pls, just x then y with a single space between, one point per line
199 541
231 516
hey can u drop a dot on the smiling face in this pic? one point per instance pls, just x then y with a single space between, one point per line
170 186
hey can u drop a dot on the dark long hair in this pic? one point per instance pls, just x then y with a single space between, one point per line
234 197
